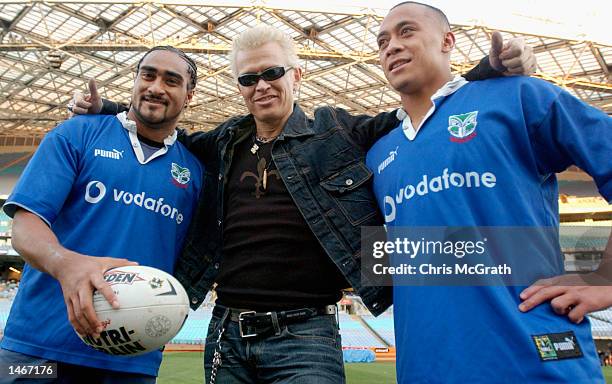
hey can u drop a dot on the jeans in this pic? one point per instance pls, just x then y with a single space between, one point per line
307 352
66 373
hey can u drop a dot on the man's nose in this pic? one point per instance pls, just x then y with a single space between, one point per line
393 47
156 87
261 85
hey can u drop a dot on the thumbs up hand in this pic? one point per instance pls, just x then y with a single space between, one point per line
82 104
512 58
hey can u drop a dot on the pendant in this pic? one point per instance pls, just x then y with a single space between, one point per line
265 179
254 148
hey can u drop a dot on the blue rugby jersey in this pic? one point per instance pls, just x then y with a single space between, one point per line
487 157
86 181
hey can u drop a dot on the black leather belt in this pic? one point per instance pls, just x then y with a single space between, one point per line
253 323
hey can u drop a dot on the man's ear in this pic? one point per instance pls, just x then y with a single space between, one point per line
190 94
297 77
448 44
298 72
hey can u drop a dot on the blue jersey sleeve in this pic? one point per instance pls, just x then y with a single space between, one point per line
574 133
48 178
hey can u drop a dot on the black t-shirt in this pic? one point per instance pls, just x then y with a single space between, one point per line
271 259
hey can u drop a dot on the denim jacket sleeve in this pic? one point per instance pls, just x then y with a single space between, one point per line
363 130
110 107
204 145
201 144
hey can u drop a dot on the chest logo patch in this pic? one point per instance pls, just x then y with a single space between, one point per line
388 160
557 346
462 127
180 175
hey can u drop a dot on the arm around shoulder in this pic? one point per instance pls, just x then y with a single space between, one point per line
202 144
364 130
512 58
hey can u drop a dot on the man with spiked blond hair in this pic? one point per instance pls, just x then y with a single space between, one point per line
278 226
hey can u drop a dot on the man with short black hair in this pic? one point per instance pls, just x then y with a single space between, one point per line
71 224
515 133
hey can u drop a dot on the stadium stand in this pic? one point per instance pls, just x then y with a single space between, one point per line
579 188
194 330
13 163
383 325
601 324
5 308
5 224
354 334
583 238
8 290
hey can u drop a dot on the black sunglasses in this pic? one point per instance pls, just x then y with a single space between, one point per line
270 74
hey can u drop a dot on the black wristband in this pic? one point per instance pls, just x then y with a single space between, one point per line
482 71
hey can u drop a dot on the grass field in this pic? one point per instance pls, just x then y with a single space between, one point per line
186 368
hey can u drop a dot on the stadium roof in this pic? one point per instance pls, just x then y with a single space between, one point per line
48 49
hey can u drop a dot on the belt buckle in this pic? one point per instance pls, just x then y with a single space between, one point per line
331 309
240 319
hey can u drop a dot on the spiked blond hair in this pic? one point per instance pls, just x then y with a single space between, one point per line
256 37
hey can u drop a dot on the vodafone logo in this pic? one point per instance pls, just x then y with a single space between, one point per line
428 184
94 192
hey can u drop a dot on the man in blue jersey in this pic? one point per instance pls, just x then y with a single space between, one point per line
489 150
99 191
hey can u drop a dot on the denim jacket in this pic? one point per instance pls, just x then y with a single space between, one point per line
321 162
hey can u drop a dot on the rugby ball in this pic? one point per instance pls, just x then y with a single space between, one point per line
153 308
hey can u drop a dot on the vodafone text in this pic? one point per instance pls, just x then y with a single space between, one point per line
96 191
427 184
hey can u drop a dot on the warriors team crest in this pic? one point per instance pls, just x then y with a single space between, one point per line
462 127
180 175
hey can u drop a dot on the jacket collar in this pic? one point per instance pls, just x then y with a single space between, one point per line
297 125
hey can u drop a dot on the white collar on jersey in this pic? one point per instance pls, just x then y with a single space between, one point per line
131 128
449 88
